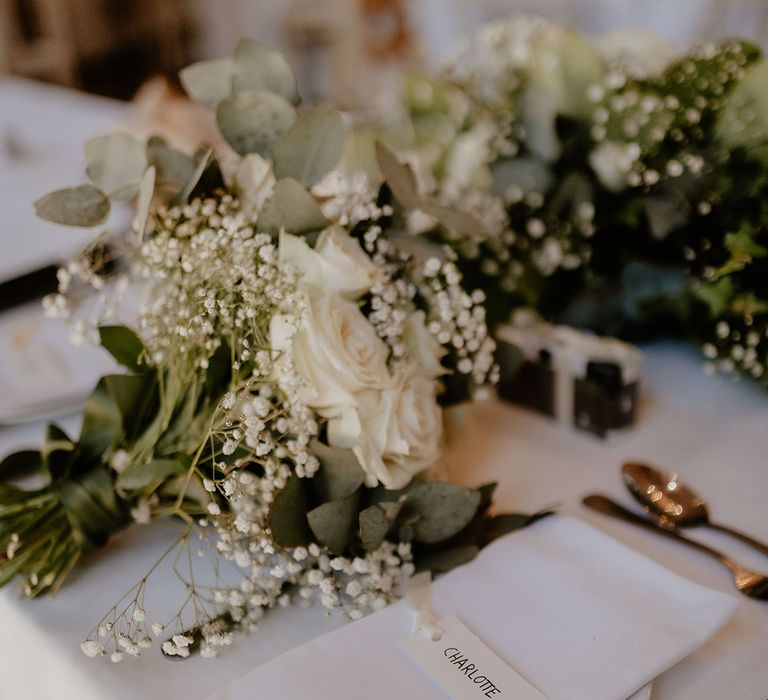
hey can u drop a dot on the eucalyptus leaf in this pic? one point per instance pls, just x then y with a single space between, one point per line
333 523
444 509
257 67
123 344
140 476
174 168
253 121
500 525
340 473
443 560
144 202
311 147
208 82
399 177
203 161
454 219
84 206
116 164
287 516
376 521
292 208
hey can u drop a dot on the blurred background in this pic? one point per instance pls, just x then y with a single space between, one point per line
350 51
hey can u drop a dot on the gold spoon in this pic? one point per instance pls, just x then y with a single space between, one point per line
673 502
748 582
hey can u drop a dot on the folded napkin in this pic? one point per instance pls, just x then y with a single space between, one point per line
577 614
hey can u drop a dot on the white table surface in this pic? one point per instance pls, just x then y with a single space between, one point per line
710 429
50 125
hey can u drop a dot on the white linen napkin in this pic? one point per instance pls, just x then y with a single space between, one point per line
579 615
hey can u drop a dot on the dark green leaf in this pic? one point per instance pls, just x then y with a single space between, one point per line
443 560
20 464
399 177
257 67
57 451
376 521
219 372
75 206
311 147
291 208
444 509
500 525
252 122
119 405
333 523
340 473
208 82
123 344
288 515
141 475
716 295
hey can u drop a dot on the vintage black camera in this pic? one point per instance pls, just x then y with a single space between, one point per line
576 377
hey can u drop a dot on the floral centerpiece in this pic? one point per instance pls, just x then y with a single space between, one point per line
282 383
621 184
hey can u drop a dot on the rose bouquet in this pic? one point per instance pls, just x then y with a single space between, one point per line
284 370
621 185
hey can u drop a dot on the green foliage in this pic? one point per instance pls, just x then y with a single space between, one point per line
333 522
258 68
291 208
287 517
123 344
174 168
116 163
340 473
443 509
376 521
84 206
399 177
311 147
208 82
140 476
253 121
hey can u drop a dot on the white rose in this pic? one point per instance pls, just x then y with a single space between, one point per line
400 429
335 351
254 182
612 162
336 264
422 345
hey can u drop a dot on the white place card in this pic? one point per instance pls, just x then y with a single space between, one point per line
463 667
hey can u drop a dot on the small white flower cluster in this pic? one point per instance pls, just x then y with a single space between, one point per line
740 347
649 133
210 276
356 585
348 199
456 319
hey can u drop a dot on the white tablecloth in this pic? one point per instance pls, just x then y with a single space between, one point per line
713 431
